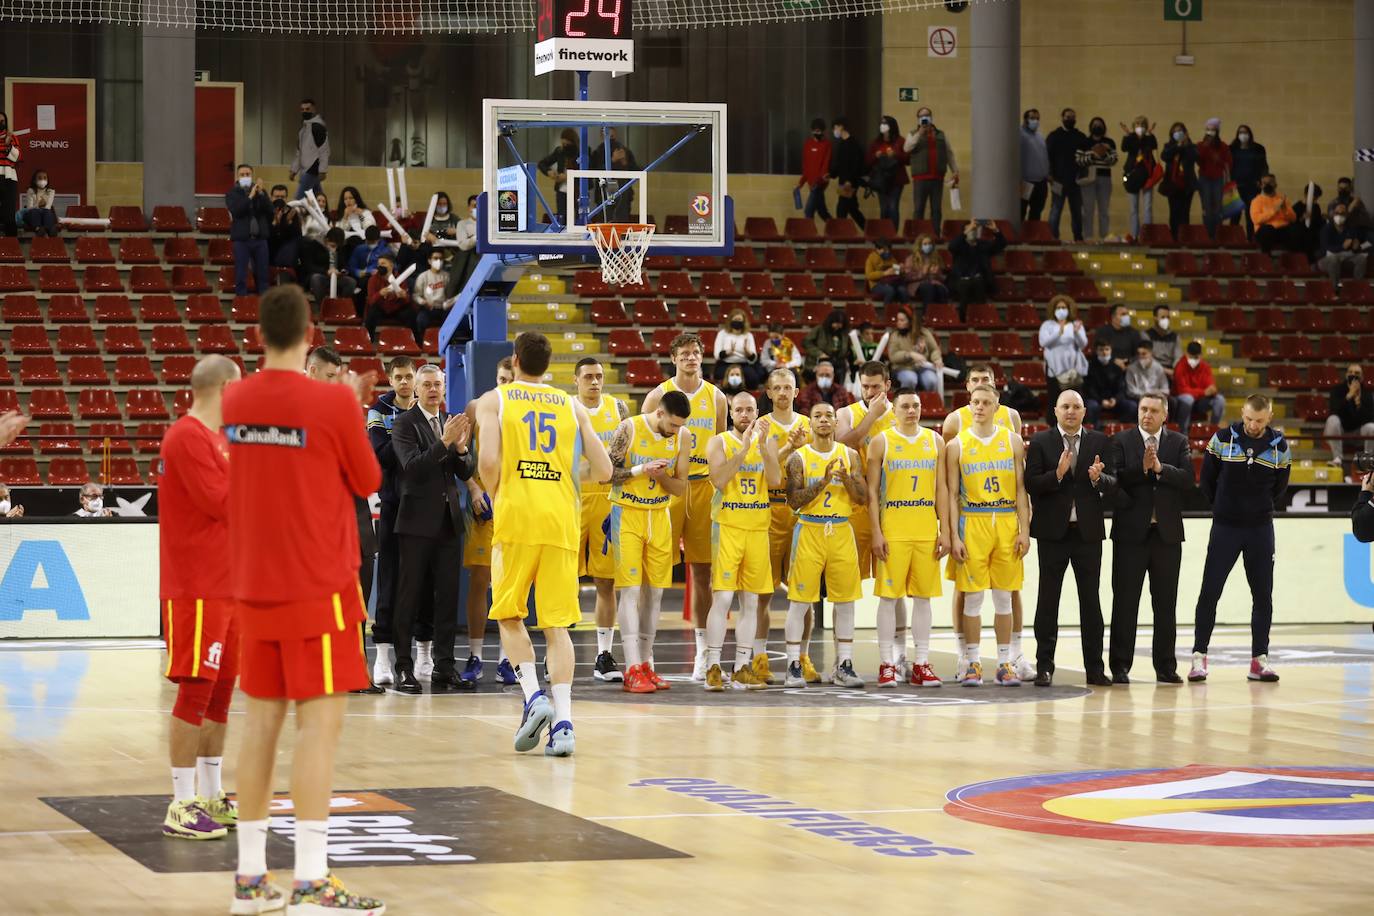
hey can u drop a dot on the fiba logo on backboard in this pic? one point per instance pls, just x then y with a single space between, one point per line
701 213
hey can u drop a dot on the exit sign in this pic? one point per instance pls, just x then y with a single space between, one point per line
1182 10
908 95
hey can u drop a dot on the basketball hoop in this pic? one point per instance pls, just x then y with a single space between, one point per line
622 247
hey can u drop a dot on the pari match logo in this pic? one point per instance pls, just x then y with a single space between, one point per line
1192 805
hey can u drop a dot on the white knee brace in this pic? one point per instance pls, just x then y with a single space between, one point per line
1001 602
973 604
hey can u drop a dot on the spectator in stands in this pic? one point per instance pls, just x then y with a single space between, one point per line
1120 336
736 349
1168 351
1035 167
365 258
1342 242
884 274
284 239
913 353
924 270
463 259
1145 375
1195 389
1352 412
621 210
970 276
353 217
1064 145
1063 339
823 389
1307 233
1214 164
313 228
887 175
1355 209
39 214
815 169
1140 151
1180 176
10 154
251 227
311 162
931 157
7 508
413 251
1104 389
847 168
1098 158
829 340
92 502
319 270
1274 219
556 164
865 345
445 224
779 352
388 302
1249 164
430 296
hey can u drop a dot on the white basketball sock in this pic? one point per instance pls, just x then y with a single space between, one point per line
844 630
208 784
701 639
475 646
921 621
528 676
744 628
562 703
183 783
793 629
629 625
717 622
605 638
887 623
253 847
312 846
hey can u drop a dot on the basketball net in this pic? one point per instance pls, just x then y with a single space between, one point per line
622 247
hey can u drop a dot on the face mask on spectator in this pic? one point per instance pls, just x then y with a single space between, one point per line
1145 361
1069 123
1104 358
307 115
734 380
245 182
1125 321
1140 130
883 128
1162 324
823 382
836 133
4 507
925 120
1193 361
95 505
441 210
885 255
817 134
1061 314
41 183
1339 220
1243 138
927 248
1178 136
1268 188
1212 134
737 325
436 264
473 213
1033 123
1098 130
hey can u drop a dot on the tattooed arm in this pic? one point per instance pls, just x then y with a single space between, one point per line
799 495
854 481
620 447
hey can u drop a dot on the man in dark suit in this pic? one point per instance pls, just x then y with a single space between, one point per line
432 453
1154 470
251 208
1069 479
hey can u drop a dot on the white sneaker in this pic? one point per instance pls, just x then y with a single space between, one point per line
1024 669
903 669
699 668
424 660
382 668
1198 672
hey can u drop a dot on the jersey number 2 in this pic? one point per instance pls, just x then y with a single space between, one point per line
543 435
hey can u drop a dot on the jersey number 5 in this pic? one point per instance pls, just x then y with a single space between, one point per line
543 434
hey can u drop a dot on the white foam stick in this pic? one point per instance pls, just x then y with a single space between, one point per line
1307 216
429 217
395 224
390 187
405 198
85 221
333 286
396 281
446 243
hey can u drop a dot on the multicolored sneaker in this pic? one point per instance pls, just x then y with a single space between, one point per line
472 671
844 675
186 820
256 894
1198 673
794 677
506 672
1260 670
659 683
922 675
328 895
561 741
887 675
960 670
224 812
537 716
715 679
762 673
973 675
746 678
808 671
637 680
1007 676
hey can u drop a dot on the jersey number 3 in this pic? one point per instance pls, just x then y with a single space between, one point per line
543 434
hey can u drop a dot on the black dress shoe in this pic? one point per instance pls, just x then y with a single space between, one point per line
370 690
1098 679
1120 677
406 683
444 682
1044 678
1169 677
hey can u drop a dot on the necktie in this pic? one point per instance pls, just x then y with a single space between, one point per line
434 425
1152 442
1071 443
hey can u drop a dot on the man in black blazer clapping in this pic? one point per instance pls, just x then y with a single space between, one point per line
1154 471
432 453
1069 479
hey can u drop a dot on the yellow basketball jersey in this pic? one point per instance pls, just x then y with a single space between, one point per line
744 501
541 447
908 486
1001 418
832 504
701 424
857 411
779 433
605 421
987 472
643 492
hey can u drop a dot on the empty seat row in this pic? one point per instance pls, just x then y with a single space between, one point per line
1224 264
804 230
74 472
134 249
1158 235
1208 291
116 308
1274 320
98 404
105 278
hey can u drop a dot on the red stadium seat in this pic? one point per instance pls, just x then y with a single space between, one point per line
838 286
97 404
951 228
10 251
216 338
643 373
68 472
605 313
813 313
761 229
1061 263
1321 292
1184 264
744 258
676 285
159 309
1296 264
176 370
627 342
1246 292
113 309
1008 345
127 219
134 370
662 340
431 346
50 403
841 230
1157 235
913 229
1032 375
1325 377
1271 320
1039 289
1021 261
154 471
801 286
759 286
353 341
875 228
589 283
1195 236
204 308
58 439
1286 378
397 342
39 370
1035 232
20 472
181 402
1256 347
244 310
252 341
182 251
1229 236
855 258
342 311
1284 292
1347 321
226 280
1296 349
20 309
1313 408
137 250
801 229
776 312
76 339
48 250
102 278
1310 320
692 313
29 339
1259 264
1023 316
818 259
221 252
213 220
983 315
14 278
170 219
942 315
117 436
124 473
171 339
1223 264
718 285
1084 289
123 338
59 278
67 309
9 401
1357 292
188 278
147 278
967 344
932 407
697 262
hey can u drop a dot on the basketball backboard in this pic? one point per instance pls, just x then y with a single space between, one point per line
630 162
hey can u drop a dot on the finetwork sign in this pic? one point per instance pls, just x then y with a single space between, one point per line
615 55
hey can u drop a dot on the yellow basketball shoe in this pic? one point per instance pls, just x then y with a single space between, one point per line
762 673
809 672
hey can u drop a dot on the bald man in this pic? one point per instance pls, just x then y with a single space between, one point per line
1070 482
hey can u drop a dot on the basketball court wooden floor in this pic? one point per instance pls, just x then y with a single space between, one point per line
1228 797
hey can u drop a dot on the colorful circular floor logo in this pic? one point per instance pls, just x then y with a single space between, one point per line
1192 805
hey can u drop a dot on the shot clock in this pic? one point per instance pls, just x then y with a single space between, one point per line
583 35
